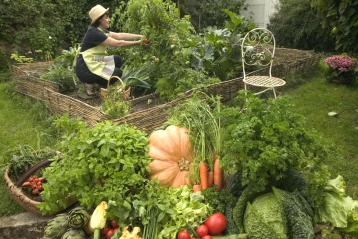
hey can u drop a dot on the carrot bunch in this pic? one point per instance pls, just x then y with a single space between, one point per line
35 183
209 178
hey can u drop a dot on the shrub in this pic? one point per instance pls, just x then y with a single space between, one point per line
62 76
296 25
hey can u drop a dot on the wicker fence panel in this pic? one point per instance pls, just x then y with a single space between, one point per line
150 119
17 71
34 87
58 103
36 68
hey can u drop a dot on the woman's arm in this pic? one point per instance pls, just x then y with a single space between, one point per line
120 43
125 36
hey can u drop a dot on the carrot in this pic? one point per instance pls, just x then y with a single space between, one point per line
218 174
196 188
25 184
203 171
210 179
41 179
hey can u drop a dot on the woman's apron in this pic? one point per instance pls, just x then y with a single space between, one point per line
97 61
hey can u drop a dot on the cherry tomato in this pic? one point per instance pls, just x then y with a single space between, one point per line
105 230
114 224
184 235
147 41
207 237
110 233
202 230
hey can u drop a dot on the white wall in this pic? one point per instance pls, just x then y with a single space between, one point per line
260 11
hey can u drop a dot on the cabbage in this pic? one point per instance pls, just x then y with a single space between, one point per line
265 218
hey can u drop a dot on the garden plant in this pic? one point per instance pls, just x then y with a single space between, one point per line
246 167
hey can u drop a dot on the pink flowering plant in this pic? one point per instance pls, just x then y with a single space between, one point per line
341 68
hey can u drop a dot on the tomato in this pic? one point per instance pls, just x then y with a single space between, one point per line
184 235
114 224
207 237
110 233
202 230
147 41
216 223
105 230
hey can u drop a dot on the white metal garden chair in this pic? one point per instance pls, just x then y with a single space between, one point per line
258 49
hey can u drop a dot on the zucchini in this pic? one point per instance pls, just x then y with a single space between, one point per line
232 236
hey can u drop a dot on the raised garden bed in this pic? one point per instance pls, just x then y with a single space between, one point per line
145 115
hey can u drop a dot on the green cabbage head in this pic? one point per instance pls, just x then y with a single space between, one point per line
265 218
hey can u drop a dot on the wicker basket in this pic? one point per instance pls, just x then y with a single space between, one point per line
34 87
126 91
21 198
59 103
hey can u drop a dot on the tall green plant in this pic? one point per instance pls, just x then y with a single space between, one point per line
160 22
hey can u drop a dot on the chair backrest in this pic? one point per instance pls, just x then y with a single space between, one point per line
258 49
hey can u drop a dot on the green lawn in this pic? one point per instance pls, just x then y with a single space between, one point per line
22 121
26 121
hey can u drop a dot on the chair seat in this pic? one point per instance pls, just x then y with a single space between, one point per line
264 81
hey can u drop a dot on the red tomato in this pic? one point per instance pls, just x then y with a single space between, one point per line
110 233
183 235
216 223
202 230
105 230
147 41
114 224
207 237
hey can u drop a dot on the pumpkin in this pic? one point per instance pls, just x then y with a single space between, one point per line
170 151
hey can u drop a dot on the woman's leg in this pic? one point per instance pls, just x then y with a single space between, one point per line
117 71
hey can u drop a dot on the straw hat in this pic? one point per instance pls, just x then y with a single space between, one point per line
96 12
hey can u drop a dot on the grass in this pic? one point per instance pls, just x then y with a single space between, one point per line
26 121
23 121
315 100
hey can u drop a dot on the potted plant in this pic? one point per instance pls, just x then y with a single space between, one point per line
341 69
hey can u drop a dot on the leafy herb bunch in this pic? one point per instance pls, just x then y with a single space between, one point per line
103 163
265 138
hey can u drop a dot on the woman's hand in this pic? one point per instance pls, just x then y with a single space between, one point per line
146 42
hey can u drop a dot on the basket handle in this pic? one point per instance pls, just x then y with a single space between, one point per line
28 173
120 80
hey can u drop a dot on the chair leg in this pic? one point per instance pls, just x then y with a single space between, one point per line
274 92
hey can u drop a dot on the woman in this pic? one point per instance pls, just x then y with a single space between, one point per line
93 66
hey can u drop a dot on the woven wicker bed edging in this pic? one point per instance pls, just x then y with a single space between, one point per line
291 61
60 104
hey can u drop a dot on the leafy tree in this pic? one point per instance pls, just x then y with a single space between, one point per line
297 25
45 26
341 16
205 13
